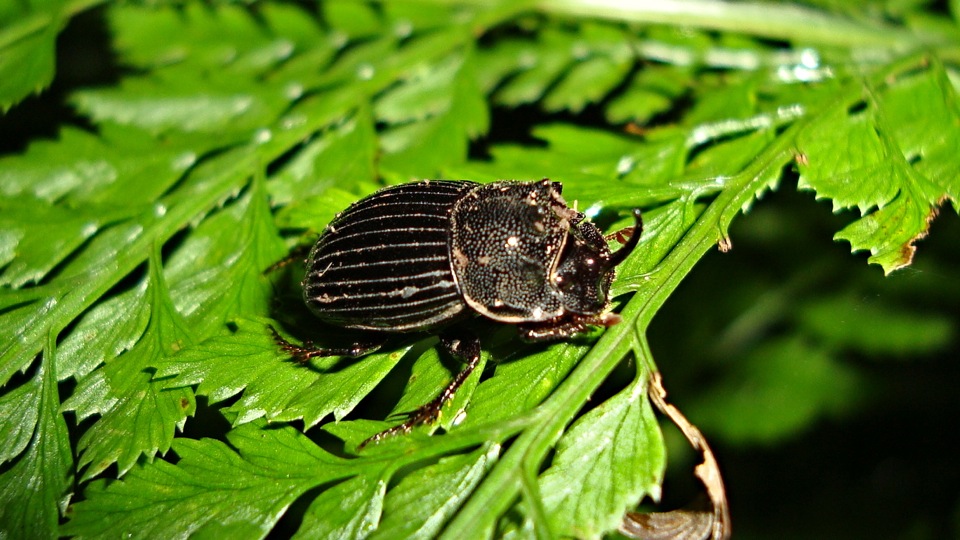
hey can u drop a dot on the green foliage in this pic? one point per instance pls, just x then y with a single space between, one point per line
214 489
614 448
132 254
28 31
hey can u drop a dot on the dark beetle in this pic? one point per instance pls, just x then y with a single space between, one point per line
421 257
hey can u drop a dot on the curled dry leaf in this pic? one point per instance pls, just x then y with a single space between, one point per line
689 523
680 524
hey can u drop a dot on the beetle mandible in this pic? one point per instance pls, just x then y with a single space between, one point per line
425 256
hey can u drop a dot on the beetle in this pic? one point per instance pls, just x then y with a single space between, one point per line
427 256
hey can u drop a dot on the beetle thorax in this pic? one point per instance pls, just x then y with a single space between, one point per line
516 252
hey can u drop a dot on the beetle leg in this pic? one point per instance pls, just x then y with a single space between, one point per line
539 334
303 353
298 253
622 236
632 239
564 329
466 348
462 346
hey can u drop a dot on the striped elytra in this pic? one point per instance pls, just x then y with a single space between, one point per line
384 263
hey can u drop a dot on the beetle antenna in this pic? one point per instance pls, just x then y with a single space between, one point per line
627 248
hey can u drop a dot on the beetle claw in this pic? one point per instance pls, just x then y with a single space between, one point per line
609 319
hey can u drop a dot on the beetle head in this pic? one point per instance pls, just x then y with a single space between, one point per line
586 266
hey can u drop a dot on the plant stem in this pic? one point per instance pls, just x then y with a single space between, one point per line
775 21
